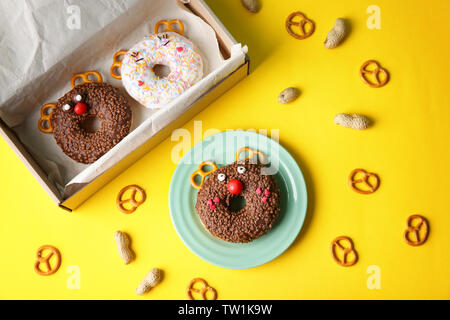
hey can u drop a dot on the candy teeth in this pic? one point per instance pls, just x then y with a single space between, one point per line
212 206
66 107
241 169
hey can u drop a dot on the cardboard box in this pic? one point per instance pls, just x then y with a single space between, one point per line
226 41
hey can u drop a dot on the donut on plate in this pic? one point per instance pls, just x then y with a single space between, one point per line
81 104
219 193
164 49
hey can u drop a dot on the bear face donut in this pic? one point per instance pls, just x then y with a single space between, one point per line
216 197
168 49
81 104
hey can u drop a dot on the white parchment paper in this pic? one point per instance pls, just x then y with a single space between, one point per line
44 42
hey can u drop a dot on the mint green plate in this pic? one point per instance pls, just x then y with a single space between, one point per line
221 148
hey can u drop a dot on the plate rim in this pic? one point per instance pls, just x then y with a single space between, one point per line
291 239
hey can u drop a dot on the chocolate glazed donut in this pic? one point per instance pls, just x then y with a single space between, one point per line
215 198
81 104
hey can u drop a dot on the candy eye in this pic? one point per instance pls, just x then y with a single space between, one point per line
66 107
221 176
78 98
241 169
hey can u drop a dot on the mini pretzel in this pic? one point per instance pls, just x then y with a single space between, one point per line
85 77
46 117
376 73
202 291
345 251
46 260
168 24
302 23
251 154
202 173
416 230
134 203
365 180
117 64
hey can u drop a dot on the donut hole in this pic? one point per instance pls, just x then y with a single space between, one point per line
207 168
91 124
161 70
237 203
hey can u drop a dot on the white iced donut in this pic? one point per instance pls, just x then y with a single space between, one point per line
169 49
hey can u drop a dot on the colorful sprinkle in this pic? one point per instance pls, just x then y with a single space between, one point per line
169 49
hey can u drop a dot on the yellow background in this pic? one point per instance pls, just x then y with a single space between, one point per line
407 146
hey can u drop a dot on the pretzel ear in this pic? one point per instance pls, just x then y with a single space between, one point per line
85 77
202 173
117 64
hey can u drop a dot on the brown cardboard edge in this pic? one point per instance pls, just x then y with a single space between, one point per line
27 159
225 39
200 104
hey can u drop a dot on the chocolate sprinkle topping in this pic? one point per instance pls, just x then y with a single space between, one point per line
104 102
252 221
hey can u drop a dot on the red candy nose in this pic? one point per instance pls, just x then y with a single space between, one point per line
80 108
235 186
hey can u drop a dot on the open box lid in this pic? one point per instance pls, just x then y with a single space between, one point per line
198 7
